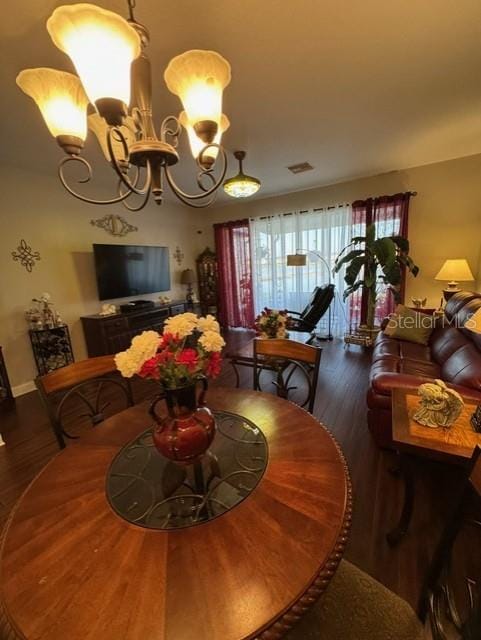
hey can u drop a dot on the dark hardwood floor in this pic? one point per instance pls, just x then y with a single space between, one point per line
341 406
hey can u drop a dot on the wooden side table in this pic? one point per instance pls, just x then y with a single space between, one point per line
454 445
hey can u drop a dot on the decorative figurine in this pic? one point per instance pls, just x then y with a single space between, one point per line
44 315
164 300
419 303
440 406
108 310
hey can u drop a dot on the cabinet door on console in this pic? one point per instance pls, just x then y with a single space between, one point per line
176 309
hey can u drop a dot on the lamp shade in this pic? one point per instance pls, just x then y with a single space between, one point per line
102 46
187 276
196 144
199 77
457 269
61 99
241 186
296 260
474 322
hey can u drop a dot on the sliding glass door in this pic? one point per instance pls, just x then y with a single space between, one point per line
322 231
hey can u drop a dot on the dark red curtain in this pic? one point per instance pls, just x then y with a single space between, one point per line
390 216
236 302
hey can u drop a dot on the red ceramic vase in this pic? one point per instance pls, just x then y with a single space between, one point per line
187 431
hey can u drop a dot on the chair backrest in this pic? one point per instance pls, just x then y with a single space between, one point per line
321 300
451 595
310 301
84 389
290 361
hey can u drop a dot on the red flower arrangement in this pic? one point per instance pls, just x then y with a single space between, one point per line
272 323
188 350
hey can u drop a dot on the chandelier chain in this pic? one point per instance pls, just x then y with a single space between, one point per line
131 4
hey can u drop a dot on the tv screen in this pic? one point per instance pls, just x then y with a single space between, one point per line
130 270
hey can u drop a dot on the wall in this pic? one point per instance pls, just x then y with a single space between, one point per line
35 207
444 222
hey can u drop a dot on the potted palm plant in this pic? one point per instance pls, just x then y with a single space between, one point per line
369 261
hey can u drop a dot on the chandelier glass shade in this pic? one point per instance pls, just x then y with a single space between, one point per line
61 99
104 64
198 78
114 88
241 185
197 146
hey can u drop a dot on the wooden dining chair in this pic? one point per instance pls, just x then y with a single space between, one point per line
357 607
88 391
292 362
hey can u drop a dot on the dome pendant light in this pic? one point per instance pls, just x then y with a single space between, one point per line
241 186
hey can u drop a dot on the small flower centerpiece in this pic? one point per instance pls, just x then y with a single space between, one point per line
180 359
272 323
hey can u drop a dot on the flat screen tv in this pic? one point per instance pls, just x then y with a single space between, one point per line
130 270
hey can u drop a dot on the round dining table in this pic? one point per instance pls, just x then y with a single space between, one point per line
73 566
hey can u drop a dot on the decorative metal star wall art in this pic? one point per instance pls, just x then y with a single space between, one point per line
178 255
114 224
25 255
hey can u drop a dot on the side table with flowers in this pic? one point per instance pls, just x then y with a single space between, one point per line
182 358
272 323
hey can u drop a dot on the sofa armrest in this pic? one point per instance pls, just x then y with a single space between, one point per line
384 383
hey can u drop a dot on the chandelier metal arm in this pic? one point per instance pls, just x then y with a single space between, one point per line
77 195
138 207
148 185
119 169
187 198
166 131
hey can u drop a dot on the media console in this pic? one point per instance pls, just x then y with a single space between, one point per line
110 334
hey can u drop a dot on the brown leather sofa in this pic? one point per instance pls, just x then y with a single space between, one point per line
453 355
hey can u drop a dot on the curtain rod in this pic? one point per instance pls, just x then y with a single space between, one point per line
413 194
291 213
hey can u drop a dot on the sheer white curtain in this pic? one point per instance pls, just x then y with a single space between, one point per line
326 231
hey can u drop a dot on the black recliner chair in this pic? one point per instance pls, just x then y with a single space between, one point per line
307 320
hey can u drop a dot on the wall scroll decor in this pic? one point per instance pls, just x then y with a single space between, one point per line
25 256
114 224
178 255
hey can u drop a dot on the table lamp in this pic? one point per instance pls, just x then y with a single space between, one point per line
453 271
188 277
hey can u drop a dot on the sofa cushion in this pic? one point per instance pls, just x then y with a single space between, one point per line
386 346
444 342
457 302
463 367
410 326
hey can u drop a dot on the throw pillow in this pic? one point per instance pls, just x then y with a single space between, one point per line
409 325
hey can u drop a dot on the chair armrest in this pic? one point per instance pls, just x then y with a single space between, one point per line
296 313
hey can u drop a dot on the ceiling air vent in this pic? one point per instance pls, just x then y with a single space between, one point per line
301 167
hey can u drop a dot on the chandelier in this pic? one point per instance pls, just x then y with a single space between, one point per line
112 97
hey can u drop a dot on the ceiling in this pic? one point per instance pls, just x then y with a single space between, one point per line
354 88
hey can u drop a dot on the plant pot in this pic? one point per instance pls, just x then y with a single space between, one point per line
369 331
188 430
